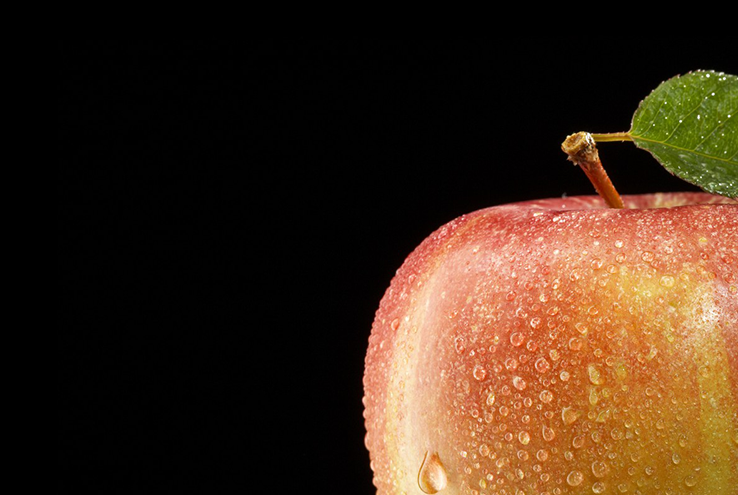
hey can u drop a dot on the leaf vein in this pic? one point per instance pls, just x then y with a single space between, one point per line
700 105
718 126
729 161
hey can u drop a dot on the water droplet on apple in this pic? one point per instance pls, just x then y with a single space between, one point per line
479 372
535 322
616 434
548 433
600 469
683 441
519 383
517 339
432 477
667 281
546 396
577 442
569 415
484 450
395 324
598 487
575 343
542 455
690 480
575 478
676 458
603 416
595 374
524 437
542 365
564 375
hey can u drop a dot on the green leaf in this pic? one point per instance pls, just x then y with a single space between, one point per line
689 124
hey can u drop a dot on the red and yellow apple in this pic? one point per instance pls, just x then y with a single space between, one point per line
561 347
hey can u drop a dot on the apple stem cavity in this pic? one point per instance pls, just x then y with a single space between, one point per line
581 149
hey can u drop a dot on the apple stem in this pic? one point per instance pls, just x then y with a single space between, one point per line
582 151
612 136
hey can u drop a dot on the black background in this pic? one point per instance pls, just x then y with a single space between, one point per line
231 214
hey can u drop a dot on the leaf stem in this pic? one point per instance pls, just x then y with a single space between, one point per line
612 136
582 151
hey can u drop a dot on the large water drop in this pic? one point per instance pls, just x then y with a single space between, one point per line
595 374
569 415
548 433
575 478
432 477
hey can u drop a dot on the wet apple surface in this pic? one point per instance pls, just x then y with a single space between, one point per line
562 347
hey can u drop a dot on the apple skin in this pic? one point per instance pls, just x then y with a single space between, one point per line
561 347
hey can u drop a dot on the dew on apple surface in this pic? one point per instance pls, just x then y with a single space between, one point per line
524 437
575 478
546 396
432 476
598 487
479 372
690 480
519 382
542 365
548 433
569 415
517 339
596 376
542 455
616 433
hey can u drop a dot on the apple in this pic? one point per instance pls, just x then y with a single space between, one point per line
561 347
